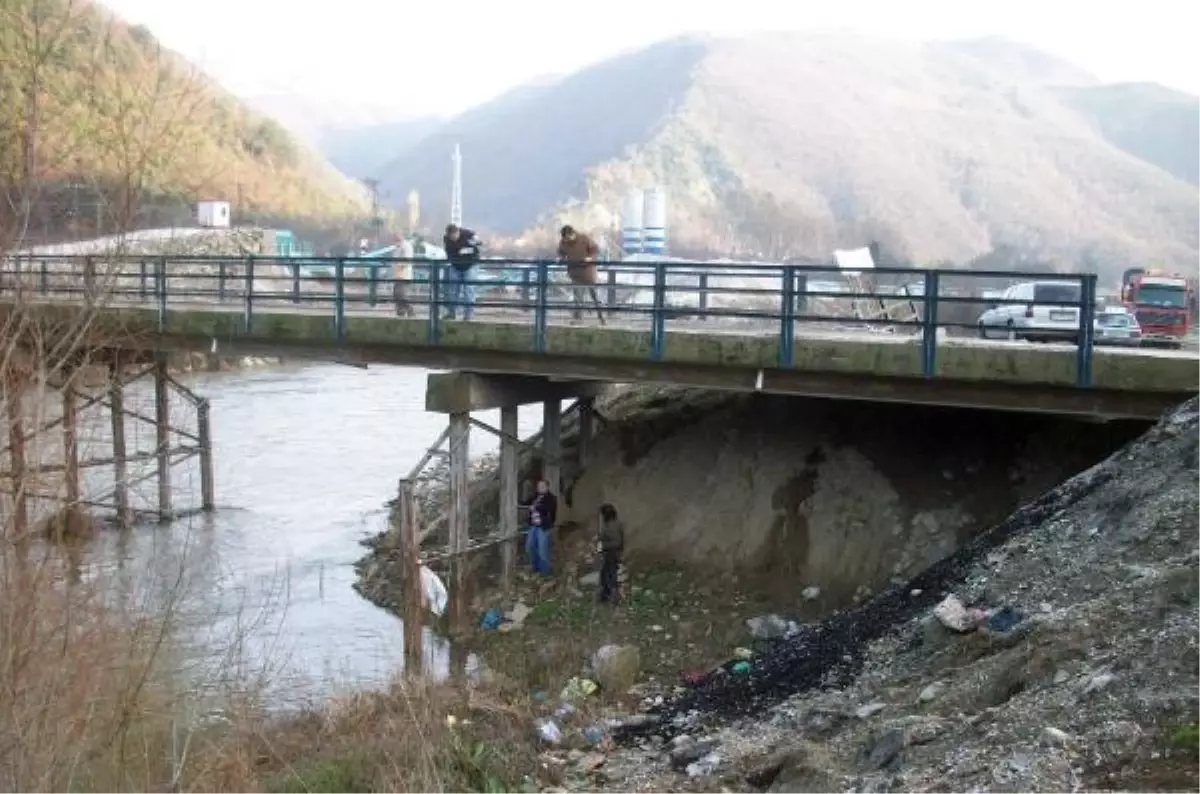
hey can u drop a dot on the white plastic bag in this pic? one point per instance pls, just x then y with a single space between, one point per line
434 591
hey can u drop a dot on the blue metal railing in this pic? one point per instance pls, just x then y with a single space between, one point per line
793 299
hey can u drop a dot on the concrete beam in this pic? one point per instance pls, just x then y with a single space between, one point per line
462 392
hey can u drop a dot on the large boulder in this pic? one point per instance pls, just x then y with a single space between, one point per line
617 666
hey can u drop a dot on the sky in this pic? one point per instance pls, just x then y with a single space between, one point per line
438 58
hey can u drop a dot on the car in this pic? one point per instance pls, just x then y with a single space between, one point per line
1116 325
1029 317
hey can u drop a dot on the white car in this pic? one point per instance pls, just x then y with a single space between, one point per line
1028 317
1117 326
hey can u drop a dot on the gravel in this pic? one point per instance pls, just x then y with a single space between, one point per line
1084 691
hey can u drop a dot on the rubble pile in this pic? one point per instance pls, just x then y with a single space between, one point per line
1056 651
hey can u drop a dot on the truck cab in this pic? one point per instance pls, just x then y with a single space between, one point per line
1161 302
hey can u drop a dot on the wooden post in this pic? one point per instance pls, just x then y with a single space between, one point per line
16 453
509 529
552 444
204 436
116 396
70 411
586 429
414 596
162 433
460 505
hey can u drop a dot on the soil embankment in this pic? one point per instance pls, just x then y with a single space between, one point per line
845 497
1083 675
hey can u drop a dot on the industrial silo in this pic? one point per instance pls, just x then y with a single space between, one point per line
631 223
654 234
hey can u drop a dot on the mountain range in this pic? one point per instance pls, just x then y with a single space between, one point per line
940 151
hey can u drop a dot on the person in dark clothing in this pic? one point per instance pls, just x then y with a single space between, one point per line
545 503
462 252
610 542
537 545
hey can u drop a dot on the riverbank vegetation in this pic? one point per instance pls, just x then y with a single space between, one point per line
101 687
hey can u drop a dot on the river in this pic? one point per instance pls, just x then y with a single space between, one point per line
305 457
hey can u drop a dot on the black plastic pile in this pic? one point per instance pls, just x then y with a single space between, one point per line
829 654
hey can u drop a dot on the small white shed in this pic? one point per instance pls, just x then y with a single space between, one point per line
213 213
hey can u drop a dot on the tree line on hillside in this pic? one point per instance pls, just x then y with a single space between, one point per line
102 130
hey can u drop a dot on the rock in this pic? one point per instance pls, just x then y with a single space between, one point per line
617 667
590 579
771 627
810 593
705 766
869 710
689 752
953 615
1098 682
884 751
931 692
1054 737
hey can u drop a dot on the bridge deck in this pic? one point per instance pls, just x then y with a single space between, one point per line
757 349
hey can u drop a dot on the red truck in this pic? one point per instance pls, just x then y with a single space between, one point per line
1162 302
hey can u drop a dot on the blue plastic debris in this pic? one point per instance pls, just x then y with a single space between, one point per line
491 619
1004 619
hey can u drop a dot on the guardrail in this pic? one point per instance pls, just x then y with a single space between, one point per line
787 299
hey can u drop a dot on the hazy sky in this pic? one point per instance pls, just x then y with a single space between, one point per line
439 57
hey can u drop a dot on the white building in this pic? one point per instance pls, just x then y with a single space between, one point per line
212 214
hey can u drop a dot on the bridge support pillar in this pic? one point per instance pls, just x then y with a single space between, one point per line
509 486
14 397
204 443
116 398
586 430
162 436
459 524
552 444
70 414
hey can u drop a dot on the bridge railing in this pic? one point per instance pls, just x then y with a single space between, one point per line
788 301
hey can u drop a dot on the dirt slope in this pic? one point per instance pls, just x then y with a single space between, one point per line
1093 687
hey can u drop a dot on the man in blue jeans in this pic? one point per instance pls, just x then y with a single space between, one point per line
537 545
462 252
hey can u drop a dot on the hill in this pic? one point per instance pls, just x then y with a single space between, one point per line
940 151
101 126
357 140
1150 122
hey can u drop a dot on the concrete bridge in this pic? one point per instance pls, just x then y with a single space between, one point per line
743 328
748 328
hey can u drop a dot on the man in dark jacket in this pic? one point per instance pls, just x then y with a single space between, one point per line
545 503
462 252
610 541
579 251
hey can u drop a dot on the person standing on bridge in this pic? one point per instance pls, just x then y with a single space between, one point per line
579 251
402 272
462 251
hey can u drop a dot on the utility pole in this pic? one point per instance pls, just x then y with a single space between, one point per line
456 209
376 218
